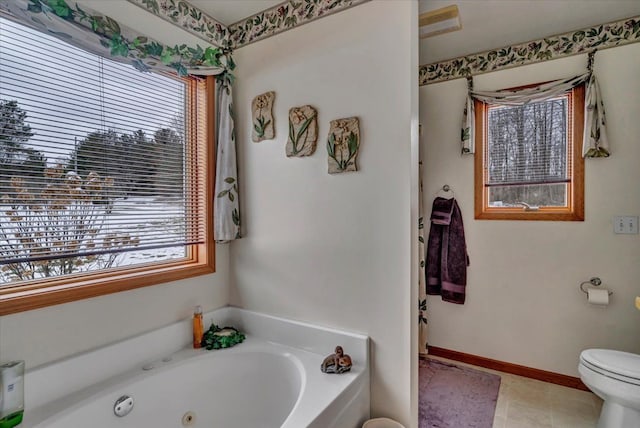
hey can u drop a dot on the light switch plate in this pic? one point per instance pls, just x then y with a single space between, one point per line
625 224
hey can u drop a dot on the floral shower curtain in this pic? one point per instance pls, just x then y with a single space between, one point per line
422 286
595 143
99 34
226 227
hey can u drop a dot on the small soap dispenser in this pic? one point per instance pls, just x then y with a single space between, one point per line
198 328
11 394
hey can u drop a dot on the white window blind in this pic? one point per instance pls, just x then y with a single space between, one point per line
100 165
527 155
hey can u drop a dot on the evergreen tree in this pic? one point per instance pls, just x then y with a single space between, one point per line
16 160
169 172
143 162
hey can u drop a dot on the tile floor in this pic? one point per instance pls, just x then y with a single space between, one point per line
529 403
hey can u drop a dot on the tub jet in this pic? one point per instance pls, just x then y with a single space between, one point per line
188 419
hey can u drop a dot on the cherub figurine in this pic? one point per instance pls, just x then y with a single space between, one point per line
339 362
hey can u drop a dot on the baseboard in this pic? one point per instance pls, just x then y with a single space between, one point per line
488 363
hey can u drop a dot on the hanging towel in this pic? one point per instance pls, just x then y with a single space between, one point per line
447 257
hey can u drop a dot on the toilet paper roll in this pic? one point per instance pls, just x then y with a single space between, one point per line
598 296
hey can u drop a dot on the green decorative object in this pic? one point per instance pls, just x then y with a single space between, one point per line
12 420
220 338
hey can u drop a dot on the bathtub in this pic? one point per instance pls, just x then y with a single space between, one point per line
272 379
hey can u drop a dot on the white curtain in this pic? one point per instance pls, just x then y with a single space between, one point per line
595 143
226 203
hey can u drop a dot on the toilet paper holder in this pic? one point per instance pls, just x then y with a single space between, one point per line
595 281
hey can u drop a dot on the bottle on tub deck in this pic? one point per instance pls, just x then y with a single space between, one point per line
198 328
11 394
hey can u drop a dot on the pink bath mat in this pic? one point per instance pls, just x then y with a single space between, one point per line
456 397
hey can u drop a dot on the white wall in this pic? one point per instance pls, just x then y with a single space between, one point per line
523 303
334 249
44 335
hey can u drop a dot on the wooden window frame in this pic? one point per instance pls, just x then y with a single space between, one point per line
200 259
574 211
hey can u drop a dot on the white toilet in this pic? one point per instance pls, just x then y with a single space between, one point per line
614 376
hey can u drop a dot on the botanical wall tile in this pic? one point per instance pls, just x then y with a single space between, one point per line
303 131
603 36
284 16
262 114
190 18
343 145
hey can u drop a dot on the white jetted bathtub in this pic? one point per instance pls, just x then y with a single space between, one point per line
272 379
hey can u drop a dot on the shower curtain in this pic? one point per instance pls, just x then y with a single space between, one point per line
422 289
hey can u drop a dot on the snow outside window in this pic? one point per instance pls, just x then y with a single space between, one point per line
103 168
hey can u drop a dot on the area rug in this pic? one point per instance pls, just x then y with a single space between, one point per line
456 397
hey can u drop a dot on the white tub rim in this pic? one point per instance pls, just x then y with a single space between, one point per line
144 348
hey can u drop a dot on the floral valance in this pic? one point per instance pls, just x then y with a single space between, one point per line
595 143
104 36
99 34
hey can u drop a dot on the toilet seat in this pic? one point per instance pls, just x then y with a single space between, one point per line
622 366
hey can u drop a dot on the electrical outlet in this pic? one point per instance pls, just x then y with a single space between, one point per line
626 224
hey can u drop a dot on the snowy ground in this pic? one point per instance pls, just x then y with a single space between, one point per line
138 217
166 224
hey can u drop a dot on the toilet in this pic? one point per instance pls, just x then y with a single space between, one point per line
614 376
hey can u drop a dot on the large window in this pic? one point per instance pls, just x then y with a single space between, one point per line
104 180
528 163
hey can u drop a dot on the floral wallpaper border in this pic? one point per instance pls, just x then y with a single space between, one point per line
283 17
277 19
603 36
188 17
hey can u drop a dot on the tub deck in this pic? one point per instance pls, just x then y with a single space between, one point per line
281 376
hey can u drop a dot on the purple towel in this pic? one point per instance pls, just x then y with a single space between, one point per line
447 258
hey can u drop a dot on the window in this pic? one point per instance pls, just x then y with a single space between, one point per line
528 164
104 173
